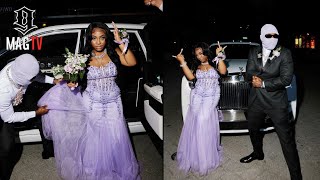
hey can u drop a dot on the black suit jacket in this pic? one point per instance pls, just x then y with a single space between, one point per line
40 77
276 74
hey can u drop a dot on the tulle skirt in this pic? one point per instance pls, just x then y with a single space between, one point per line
199 148
91 140
105 149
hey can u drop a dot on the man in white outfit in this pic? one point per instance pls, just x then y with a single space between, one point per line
15 78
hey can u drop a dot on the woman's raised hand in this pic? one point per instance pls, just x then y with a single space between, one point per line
116 32
219 48
179 56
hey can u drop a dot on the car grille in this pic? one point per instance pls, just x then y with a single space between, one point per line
234 94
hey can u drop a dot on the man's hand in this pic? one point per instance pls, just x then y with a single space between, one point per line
57 81
72 85
256 82
42 110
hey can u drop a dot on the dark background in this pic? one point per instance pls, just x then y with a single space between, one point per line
186 21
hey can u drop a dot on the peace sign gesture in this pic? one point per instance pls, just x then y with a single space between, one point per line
219 48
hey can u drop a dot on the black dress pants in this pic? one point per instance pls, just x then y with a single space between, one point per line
7 145
284 129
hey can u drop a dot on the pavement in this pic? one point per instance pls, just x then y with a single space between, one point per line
236 146
31 166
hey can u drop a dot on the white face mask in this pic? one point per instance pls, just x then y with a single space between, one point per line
22 75
268 43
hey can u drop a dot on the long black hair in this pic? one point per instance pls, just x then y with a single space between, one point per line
110 47
195 62
206 51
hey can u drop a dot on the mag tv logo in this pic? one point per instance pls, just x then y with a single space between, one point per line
24 23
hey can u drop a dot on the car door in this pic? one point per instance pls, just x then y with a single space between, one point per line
50 53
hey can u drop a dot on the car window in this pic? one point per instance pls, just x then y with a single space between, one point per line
51 52
53 49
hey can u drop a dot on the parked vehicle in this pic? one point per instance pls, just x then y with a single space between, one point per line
134 90
235 90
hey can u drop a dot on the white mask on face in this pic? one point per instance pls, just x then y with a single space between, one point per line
24 68
268 43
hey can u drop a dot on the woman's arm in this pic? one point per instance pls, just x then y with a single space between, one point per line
222 68
183 64
128 58
186 70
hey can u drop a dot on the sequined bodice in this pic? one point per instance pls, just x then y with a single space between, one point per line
207 82
101 83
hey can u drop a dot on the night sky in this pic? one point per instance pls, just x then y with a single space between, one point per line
196 19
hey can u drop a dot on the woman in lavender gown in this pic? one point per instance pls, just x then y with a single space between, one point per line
199 148
90 134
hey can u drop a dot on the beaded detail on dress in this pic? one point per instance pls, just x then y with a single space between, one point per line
207 81
102 87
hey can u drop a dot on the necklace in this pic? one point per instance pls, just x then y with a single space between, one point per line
101 55
99 58
205 63
11 80
19 96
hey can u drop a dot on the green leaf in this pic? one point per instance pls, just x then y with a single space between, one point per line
67 50
81 74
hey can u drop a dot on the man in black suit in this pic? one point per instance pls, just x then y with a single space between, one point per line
270 69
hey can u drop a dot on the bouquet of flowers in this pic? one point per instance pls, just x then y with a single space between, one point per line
58 71
74 67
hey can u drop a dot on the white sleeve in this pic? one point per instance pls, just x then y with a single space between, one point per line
48 79
7 112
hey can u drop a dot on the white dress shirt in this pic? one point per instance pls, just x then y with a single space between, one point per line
8 92
265 55
161 7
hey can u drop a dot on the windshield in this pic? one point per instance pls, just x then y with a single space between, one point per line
235 51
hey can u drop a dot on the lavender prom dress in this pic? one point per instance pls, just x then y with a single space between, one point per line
90 134
199 148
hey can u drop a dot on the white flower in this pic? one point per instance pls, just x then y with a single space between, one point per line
75 64
275 53
259 55
58 71
73 68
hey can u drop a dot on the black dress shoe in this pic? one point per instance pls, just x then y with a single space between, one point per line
251 157
173 156
47 155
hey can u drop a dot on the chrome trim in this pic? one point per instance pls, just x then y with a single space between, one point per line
243 130
233 115
234 94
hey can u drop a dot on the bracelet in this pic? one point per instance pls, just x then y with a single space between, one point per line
220 56
183 64
124 41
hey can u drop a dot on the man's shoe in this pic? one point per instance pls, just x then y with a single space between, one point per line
47 155
251 157
173 156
